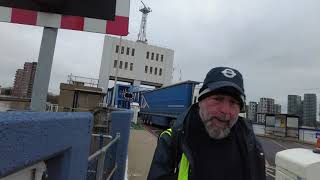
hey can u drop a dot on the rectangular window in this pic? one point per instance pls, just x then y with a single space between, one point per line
148 55
128 51
131 66
152 55
150 70
161 57
122 50
157 57
120 65
132 52
117 48
115 63
146 69
126 65
160 72
155 71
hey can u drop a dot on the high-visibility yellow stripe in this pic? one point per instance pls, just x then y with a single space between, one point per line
184 168
168 131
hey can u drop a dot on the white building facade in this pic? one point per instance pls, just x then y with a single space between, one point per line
138 63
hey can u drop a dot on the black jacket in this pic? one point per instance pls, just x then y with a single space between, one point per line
169 149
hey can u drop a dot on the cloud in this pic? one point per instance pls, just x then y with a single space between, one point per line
275 44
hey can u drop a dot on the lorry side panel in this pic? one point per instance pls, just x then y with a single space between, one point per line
172 100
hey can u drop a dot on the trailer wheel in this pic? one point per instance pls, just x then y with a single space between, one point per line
144 119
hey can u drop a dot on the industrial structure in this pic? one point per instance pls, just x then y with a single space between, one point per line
137 63
24 79
142 36
79 94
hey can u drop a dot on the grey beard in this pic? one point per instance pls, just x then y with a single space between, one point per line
216 132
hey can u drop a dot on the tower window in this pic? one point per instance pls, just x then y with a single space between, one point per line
131 66
132 52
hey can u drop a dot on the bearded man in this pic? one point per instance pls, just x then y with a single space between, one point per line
210 140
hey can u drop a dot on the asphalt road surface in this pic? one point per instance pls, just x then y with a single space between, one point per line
272 146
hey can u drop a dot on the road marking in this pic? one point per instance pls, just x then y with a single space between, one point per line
269 174
284 147
267 163
270 170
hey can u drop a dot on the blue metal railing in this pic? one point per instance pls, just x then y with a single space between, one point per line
102 164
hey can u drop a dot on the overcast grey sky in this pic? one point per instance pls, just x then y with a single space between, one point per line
275 44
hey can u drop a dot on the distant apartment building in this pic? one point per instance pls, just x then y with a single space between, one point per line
265 106
252 111
309 110
24 79
277 109
295 106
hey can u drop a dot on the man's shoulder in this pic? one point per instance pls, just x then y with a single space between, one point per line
243 126
184 117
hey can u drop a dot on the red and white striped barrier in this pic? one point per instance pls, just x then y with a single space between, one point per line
117 27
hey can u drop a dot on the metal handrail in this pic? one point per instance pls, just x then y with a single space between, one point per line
105 136
112 172
105 148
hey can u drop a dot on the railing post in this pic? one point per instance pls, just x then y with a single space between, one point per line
100 167
121 124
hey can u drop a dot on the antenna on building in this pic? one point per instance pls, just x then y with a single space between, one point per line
142 36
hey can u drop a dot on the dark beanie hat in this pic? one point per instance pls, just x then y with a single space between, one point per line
223 80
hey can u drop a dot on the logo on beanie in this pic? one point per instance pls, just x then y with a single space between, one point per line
229 73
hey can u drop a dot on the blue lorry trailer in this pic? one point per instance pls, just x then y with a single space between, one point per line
125 94
162 106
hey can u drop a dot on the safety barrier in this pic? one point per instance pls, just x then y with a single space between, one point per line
62 142
97 161
306 134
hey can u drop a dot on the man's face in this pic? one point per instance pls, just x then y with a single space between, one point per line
218 114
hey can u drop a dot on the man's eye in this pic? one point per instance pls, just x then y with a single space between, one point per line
235 102
218 98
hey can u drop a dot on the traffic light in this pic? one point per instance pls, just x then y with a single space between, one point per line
98 9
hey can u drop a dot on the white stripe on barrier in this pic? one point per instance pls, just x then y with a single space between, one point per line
48 20
123 8
5 14
89 24
95 25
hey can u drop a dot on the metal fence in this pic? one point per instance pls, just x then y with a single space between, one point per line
102 164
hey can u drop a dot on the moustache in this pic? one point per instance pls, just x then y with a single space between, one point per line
223 119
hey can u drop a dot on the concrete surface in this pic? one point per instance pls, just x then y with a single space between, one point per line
140 153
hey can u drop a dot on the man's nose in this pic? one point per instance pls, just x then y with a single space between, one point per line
225 108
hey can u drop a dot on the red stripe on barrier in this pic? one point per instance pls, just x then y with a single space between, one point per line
72 22
22 16
119 26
